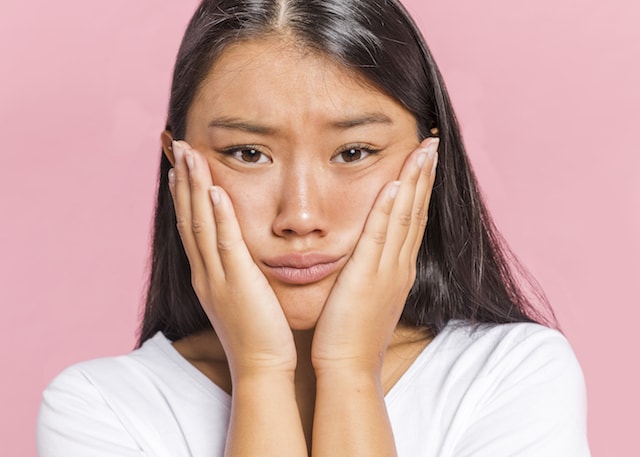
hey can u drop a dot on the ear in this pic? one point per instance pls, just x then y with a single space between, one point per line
167 139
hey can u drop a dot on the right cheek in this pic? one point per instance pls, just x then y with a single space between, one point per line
251 202
253 207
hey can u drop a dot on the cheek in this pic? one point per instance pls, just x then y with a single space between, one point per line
361 194
350 202
342 202
250 202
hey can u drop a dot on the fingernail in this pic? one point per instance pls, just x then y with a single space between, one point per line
435 163
422 158
172 177
433 147
215 195
393 190
428 151
188 156
178 151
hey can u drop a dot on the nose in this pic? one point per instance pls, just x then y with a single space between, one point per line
302 203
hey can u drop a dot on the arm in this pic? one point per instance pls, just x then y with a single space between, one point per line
361 314
244 312
351 417
264 417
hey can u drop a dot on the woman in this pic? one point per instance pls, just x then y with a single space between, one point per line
299 302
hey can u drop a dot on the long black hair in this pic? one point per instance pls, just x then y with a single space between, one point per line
464 269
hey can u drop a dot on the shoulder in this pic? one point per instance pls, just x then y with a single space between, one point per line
513 350
121 406
492 390
126 374
77 413
522 381
496 361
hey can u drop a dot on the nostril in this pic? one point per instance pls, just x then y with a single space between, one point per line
289 224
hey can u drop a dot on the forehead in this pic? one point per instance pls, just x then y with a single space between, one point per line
275 77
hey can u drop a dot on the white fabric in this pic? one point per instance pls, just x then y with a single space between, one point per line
499 390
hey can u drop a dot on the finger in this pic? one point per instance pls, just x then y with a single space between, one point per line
421 202
374 235
422 218
181 195
233 252
402 219
203 227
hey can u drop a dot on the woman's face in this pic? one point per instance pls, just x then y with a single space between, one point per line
303 147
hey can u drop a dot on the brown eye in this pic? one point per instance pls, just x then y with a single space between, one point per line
248 155
353 154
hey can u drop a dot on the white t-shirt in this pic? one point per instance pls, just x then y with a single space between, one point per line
498 390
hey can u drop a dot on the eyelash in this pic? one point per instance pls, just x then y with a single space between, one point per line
236 152
366 149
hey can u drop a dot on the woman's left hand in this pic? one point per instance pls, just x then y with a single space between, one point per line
367 299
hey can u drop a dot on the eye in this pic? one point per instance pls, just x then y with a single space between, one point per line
354 153
247 154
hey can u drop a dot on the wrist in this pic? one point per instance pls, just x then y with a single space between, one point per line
356 365
265 384
258 375
350 376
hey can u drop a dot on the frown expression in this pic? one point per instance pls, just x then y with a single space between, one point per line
303 147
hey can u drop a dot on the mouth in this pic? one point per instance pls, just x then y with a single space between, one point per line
302 269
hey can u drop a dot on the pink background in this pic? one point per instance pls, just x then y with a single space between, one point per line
548 93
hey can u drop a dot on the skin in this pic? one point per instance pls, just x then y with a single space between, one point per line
274 163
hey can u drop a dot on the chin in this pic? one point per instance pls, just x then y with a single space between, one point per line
302 307
302 324
302 317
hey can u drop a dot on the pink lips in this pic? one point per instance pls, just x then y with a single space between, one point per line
302 268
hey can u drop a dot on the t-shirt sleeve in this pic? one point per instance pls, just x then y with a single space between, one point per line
531 402
75 420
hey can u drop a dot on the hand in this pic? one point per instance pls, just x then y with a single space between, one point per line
366 302
232 290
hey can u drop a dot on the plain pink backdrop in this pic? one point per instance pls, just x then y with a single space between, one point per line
548 94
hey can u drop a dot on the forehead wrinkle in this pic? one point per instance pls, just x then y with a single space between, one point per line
315 89
334 75
224 68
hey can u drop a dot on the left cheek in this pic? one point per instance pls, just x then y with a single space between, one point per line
354 200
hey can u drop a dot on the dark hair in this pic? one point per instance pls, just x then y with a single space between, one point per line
464 269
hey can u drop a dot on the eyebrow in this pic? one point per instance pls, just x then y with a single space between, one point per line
366 119
342 124
238 124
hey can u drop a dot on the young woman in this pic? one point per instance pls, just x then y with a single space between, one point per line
325 278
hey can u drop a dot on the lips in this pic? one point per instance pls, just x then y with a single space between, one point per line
302 268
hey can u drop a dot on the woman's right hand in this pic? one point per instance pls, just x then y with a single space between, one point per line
233 292
244 312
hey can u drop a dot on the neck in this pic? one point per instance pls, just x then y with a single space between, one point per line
305 380
204 351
